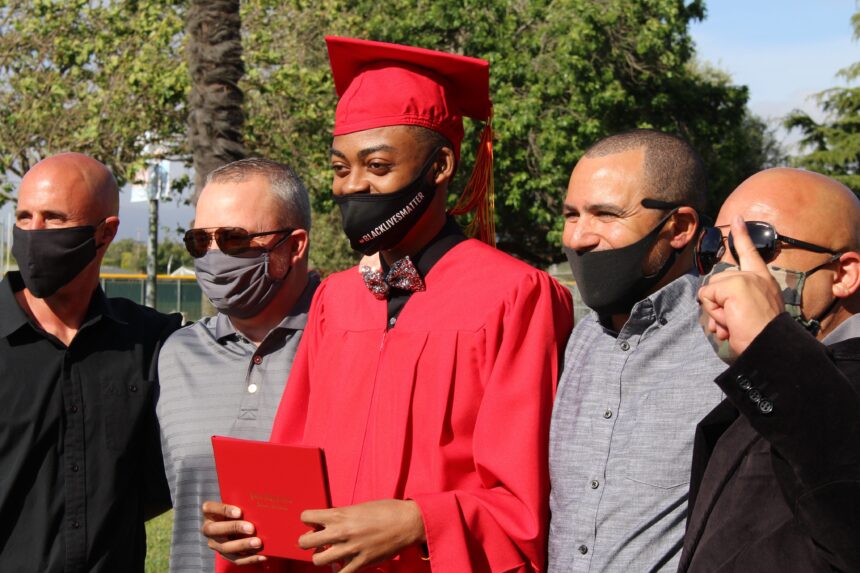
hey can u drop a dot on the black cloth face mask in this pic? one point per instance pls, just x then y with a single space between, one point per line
611 281
377 222
50 258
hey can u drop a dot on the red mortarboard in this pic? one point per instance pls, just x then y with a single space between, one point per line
381 84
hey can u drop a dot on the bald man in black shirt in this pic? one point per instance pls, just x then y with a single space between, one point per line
79 449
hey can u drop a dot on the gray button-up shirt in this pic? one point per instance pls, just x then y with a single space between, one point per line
621 439
216 382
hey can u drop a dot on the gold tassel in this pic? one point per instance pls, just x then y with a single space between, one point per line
479 194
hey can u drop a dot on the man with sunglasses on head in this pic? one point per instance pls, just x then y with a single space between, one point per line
80 463
776 468
225 374
636 369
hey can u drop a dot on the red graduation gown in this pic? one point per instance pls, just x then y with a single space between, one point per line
450 407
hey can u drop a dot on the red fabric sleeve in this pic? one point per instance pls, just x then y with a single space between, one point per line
503 526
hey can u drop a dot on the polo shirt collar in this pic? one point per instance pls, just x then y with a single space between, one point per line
296 319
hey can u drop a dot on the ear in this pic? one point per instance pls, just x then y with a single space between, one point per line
299 243
443 168
684 227
847 275
108 230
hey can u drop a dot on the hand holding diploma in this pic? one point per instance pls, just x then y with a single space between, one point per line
362 534
229 535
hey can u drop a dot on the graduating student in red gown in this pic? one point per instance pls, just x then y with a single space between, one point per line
428 383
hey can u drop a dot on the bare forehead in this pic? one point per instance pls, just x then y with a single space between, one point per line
617 178
394 138
69 181
249 204
799 204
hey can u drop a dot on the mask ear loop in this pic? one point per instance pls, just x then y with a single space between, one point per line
269 254
813 325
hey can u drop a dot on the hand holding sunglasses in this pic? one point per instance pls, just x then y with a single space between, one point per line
233 241
741 303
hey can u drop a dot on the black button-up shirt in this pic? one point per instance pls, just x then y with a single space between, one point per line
80 461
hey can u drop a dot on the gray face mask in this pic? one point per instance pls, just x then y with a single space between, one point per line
237 286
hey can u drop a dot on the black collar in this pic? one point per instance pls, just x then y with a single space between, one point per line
449 236
13 317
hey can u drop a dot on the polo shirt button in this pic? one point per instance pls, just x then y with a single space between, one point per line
607 414
74 409
252 388
132 387
582 549
744 383
595 484
75 467
625 346
663 321
392 321
765 406
754 396
258 359
76 524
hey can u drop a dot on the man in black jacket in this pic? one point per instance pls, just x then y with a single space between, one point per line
776 469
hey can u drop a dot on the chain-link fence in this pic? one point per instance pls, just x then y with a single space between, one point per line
173 294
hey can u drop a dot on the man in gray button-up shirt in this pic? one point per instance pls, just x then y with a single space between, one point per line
225 374
638 369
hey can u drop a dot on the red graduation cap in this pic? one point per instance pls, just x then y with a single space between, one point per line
381 84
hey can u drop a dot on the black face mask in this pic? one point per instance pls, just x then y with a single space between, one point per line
377 222
50 258
611 281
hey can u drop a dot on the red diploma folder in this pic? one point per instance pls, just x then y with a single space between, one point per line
272 484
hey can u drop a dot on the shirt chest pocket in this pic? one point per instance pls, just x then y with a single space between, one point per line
123 401
657 445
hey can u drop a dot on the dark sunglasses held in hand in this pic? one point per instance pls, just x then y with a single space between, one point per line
711 246
233 241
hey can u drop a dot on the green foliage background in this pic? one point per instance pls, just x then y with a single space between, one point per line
109 78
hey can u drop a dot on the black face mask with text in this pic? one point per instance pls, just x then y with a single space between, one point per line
611 281
50 258
379 221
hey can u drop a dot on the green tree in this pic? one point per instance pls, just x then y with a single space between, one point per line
130 255
834 143
104 78
126 254
564 73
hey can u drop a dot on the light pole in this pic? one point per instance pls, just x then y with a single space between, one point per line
155 189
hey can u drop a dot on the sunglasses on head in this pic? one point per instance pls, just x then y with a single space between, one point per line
233 241
712 245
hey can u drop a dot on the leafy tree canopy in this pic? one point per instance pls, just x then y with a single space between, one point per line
563 74
834 143
99 77
106 77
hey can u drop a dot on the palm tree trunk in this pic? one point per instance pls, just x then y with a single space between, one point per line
215 120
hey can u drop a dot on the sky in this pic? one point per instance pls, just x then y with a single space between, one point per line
783 50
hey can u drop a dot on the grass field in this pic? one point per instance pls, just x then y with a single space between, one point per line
158 533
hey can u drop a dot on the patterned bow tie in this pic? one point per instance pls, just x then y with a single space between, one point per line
402 275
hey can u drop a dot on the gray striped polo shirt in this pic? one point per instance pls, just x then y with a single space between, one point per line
216 382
